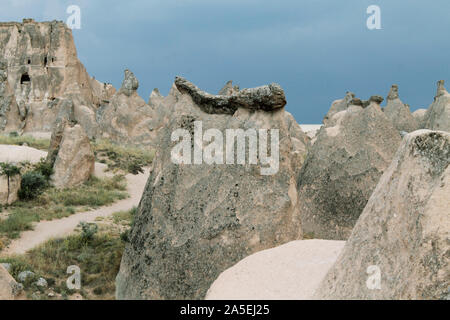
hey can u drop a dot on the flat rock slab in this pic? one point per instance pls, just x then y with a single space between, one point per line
292 271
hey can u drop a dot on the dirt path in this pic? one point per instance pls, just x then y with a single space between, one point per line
46 230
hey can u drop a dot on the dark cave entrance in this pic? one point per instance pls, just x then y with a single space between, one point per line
25 79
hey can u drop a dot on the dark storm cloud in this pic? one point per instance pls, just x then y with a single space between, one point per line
317 50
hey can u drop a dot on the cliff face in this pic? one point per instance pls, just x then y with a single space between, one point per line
40 69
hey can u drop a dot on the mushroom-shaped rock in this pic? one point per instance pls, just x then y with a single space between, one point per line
267 98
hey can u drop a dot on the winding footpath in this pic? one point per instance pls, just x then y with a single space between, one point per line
46 230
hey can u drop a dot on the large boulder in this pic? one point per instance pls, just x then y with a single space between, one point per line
342 169
196 220
399 113
9 188
74 161
438 115
399 249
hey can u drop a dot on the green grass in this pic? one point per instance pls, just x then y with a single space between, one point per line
124 217
56 204
123 157
42 144
98 258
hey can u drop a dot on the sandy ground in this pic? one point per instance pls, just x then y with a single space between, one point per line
10 153
292 271
46 230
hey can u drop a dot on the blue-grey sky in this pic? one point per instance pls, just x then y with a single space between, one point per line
315 49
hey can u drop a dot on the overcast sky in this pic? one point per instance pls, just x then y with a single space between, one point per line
315 49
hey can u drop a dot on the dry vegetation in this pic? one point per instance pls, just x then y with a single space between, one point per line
98 255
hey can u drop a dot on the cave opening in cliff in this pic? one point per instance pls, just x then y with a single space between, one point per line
25 78
29 61
45 61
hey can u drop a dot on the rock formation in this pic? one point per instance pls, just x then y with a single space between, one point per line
338 106
265 98
228 89
71 154
42 69
10 118
438 114
399 113
155 98
399 249
9 288
342 168
9 189
196 220
292 271
420 116
126 118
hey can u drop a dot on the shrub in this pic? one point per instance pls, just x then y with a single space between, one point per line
44 168
32 185
127 158
88 230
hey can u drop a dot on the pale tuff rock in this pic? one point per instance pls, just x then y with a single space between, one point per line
195 221
438 114
75 160
338 106
420 116
155 98
292 271
299 140
441 91
126 118
228 89
403 233
393 93
10 118
399 113
267 98
9 189
102 91
42 69
9 288
342 169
